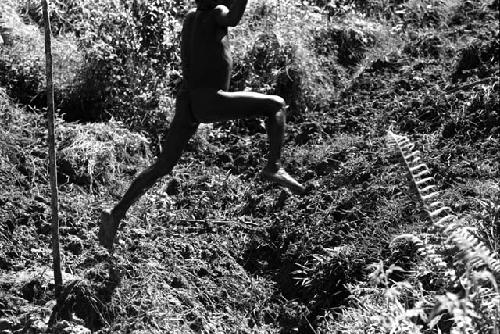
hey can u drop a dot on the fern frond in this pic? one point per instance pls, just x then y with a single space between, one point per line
441 216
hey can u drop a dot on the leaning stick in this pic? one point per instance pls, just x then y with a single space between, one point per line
52 153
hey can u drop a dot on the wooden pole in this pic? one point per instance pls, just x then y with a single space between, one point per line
52 153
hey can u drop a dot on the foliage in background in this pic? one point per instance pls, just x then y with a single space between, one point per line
22 65
127 65
118 59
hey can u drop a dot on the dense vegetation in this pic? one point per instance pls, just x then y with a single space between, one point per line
213 249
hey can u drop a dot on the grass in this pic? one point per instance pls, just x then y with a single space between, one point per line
91 154
214 248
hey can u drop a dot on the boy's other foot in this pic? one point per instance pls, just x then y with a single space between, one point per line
284 179
107 229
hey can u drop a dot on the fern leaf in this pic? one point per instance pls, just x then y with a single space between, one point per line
470 247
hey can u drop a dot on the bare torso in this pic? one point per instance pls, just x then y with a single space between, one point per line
206 55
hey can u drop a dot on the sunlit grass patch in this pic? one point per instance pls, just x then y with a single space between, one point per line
96 152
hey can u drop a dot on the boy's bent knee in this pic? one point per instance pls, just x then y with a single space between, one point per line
278 102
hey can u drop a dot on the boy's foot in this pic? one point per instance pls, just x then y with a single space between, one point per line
284 179
107 230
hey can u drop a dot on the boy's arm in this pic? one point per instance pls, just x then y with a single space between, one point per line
232 16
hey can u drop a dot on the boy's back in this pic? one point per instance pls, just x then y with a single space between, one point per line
206 51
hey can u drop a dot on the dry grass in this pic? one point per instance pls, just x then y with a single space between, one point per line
98 152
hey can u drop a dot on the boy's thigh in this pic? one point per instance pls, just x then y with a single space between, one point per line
215 106
181 129
184 116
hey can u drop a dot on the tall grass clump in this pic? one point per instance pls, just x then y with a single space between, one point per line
22 146
93 154
88 154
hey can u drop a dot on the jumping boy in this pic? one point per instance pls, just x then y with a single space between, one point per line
204 98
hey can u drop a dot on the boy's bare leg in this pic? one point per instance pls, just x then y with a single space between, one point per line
214 106
273 171
275 127
181 130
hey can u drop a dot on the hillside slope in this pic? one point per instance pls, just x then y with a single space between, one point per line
214 249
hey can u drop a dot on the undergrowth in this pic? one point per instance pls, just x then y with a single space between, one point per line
469 269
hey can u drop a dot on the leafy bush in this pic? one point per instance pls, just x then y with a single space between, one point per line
130 52
22 66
